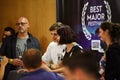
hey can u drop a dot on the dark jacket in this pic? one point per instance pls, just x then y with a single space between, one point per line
112 70
8 49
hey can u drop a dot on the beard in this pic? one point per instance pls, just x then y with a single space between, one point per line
22 31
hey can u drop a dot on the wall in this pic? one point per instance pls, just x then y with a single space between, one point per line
41 14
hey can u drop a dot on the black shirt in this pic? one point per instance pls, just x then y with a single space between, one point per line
73 52
112 70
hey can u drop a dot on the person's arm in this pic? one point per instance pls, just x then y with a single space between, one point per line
2 68
46 58
59 70
15 62
44 66
3 47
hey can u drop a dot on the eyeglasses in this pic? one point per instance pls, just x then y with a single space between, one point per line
17 24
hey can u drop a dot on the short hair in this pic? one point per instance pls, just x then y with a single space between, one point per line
114 30
32 58
87 61
67 35
55 26
12 31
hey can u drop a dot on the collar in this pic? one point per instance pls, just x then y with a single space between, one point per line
29 36
41 70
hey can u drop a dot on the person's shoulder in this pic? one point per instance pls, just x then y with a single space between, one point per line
56 76
77 45
22 76
31 37
114 46
52 44
113 49
56 45
8 39
77 48
36 73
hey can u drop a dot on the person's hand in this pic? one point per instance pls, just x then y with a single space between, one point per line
22 70
4 61
44 66
17 62
54 66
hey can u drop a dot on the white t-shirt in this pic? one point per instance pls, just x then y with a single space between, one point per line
54 53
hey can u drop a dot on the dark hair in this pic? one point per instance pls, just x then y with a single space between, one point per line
55 26
114 30
67 35
87 61
12 31
32 58
97 31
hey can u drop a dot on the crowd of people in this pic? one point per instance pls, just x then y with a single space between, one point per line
64 58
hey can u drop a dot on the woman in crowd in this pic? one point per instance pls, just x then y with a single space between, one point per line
110 34
3 63
68 37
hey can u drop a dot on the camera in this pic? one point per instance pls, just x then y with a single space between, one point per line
1 58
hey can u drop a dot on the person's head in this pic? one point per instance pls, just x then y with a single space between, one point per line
109 31
8 31
22 25
32 59
53 30
83 66
66 35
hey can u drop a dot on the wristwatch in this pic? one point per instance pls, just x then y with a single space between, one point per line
10 61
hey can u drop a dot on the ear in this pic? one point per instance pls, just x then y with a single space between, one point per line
28 25
106 32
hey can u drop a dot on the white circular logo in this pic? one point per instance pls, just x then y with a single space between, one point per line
86 32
